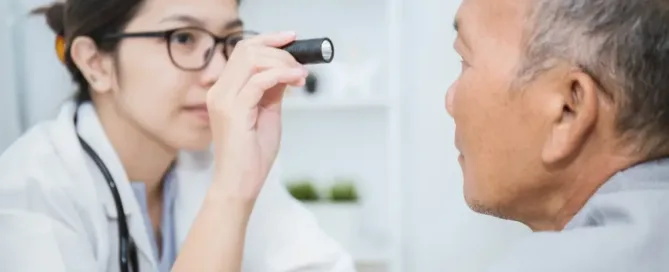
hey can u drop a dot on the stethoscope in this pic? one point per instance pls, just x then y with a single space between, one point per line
127 249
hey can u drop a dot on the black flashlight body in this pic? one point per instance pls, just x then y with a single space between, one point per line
311 51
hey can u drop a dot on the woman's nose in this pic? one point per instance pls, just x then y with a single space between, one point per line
214 68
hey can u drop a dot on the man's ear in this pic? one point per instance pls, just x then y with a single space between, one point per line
572 107
95 66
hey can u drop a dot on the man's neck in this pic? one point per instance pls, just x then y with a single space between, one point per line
144 158
578 185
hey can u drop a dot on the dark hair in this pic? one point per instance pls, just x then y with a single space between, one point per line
91 18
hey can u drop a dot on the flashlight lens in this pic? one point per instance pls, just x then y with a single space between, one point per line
326 50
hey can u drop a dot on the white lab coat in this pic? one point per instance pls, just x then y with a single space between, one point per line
57 213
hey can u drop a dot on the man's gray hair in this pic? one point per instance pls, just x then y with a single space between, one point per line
623 45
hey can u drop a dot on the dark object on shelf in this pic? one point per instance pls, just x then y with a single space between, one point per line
311 51
311 85
303 191
344 191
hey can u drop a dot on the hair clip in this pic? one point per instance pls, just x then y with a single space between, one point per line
60 48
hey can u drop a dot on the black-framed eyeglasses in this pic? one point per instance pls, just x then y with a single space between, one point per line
190 48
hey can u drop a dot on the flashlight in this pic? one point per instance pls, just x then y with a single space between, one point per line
311 51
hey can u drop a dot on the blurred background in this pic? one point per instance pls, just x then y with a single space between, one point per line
368 144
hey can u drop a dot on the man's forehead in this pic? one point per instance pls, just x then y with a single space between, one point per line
490 34
491 16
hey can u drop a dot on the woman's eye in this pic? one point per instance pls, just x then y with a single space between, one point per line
182 38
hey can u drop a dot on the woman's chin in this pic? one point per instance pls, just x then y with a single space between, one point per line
195 142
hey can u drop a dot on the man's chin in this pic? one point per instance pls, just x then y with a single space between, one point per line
482 207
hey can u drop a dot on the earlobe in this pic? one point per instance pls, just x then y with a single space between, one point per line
91 63
574 116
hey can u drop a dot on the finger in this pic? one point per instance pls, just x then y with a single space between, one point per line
257 60
276 39
246 50
263 62
279 54
272 98
248 60
269 58
254 90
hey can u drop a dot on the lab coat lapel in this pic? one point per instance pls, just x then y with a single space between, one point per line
193 177
64 140
91 131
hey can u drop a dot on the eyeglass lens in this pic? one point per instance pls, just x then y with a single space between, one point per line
193 48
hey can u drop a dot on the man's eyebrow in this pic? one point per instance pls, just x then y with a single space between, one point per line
456 25
190 20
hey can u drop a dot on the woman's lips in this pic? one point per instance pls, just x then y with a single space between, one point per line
200 111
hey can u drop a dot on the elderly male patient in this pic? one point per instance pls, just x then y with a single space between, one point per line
562 116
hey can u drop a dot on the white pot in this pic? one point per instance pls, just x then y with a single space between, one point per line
339 220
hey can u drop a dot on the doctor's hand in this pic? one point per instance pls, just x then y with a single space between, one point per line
245 111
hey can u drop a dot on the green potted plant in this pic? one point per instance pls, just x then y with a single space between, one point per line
303 190
343 191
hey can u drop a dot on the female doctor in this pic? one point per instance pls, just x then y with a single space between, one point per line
124 179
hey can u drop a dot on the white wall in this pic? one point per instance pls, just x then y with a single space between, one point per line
48 85
442 234
9 117
43 83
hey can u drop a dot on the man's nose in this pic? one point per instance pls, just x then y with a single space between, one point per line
450 93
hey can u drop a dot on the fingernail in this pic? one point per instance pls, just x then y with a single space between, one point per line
288 33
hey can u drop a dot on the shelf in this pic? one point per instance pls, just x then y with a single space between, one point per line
328 104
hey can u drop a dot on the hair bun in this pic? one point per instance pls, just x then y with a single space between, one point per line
55 16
